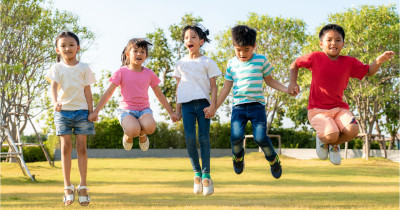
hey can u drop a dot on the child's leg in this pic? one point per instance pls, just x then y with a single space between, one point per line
259 123
238 124
324 124
131 127
66 148
82 162
348 126
189 125
204 137
148 126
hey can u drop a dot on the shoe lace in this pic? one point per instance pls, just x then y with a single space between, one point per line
237 159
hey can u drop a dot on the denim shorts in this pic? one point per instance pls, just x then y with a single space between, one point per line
125 112
73 122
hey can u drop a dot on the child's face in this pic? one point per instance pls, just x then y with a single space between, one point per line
67 47
192 41
332 43
137 55
244 53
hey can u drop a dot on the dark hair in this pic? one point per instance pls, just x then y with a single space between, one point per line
243 35
63 35
139 43
200 31
331 27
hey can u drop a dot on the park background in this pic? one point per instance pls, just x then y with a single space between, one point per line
286 30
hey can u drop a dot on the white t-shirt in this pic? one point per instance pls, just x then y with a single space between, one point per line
71 84
195 77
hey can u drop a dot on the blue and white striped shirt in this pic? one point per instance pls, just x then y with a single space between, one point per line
248 78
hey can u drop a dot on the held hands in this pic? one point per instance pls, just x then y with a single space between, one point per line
384 57
57 106
175 117
209 112
94 116
293 89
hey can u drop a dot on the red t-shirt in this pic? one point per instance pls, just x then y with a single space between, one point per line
330 78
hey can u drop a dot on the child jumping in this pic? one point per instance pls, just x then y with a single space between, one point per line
196 79
72 100
328 114
134 113
246 73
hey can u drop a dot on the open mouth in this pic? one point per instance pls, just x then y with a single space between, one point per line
190 46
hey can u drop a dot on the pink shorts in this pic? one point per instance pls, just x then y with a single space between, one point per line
328 121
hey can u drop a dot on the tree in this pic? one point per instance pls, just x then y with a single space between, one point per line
280 40
165 54
27 43
370 30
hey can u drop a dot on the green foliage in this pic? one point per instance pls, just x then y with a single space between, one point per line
108 135
33 138
102 85
31 154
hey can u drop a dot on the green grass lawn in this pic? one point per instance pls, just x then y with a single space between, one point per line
167 183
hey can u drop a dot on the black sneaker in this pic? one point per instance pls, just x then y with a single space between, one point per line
276 168
238 164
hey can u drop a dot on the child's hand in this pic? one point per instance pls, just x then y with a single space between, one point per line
179 115
384 57
174 117
293 89
209 112
93 116
57 106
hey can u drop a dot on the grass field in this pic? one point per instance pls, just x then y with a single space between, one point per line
166 183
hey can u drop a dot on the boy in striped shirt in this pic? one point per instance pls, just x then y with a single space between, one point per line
246 73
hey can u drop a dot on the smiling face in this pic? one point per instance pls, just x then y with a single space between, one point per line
67 47
244 53
332 43
136 56
193 41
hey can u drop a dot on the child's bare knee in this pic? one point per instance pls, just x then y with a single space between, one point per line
133 132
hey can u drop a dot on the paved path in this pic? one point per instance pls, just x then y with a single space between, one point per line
393 155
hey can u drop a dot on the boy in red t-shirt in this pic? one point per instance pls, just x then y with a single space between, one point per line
328 114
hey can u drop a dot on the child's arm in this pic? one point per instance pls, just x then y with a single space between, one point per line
224 93
275 84
178 106
106 96
57 105
89 98
161 98
374 66
210 111
293 87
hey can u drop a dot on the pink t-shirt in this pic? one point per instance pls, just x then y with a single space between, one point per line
330 78
134 87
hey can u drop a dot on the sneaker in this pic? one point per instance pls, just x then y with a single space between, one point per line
334 154
197 187
145 145
238 165
322 149
127 146
276 168
208 187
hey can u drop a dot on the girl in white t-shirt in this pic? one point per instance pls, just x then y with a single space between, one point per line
196 78
72 100
134 113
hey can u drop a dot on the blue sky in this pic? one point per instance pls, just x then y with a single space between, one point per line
115 22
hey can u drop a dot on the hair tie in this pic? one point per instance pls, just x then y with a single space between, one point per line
207 32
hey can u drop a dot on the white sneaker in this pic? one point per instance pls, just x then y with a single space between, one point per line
208 187
197 187
334 154
322 149
127 146
145 145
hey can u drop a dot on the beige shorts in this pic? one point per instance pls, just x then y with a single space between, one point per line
328 121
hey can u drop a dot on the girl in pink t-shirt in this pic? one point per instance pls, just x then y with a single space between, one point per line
134 113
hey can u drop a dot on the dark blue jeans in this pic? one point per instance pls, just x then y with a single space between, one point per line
192 111
255 112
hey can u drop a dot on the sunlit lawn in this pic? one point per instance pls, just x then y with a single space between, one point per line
166 183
